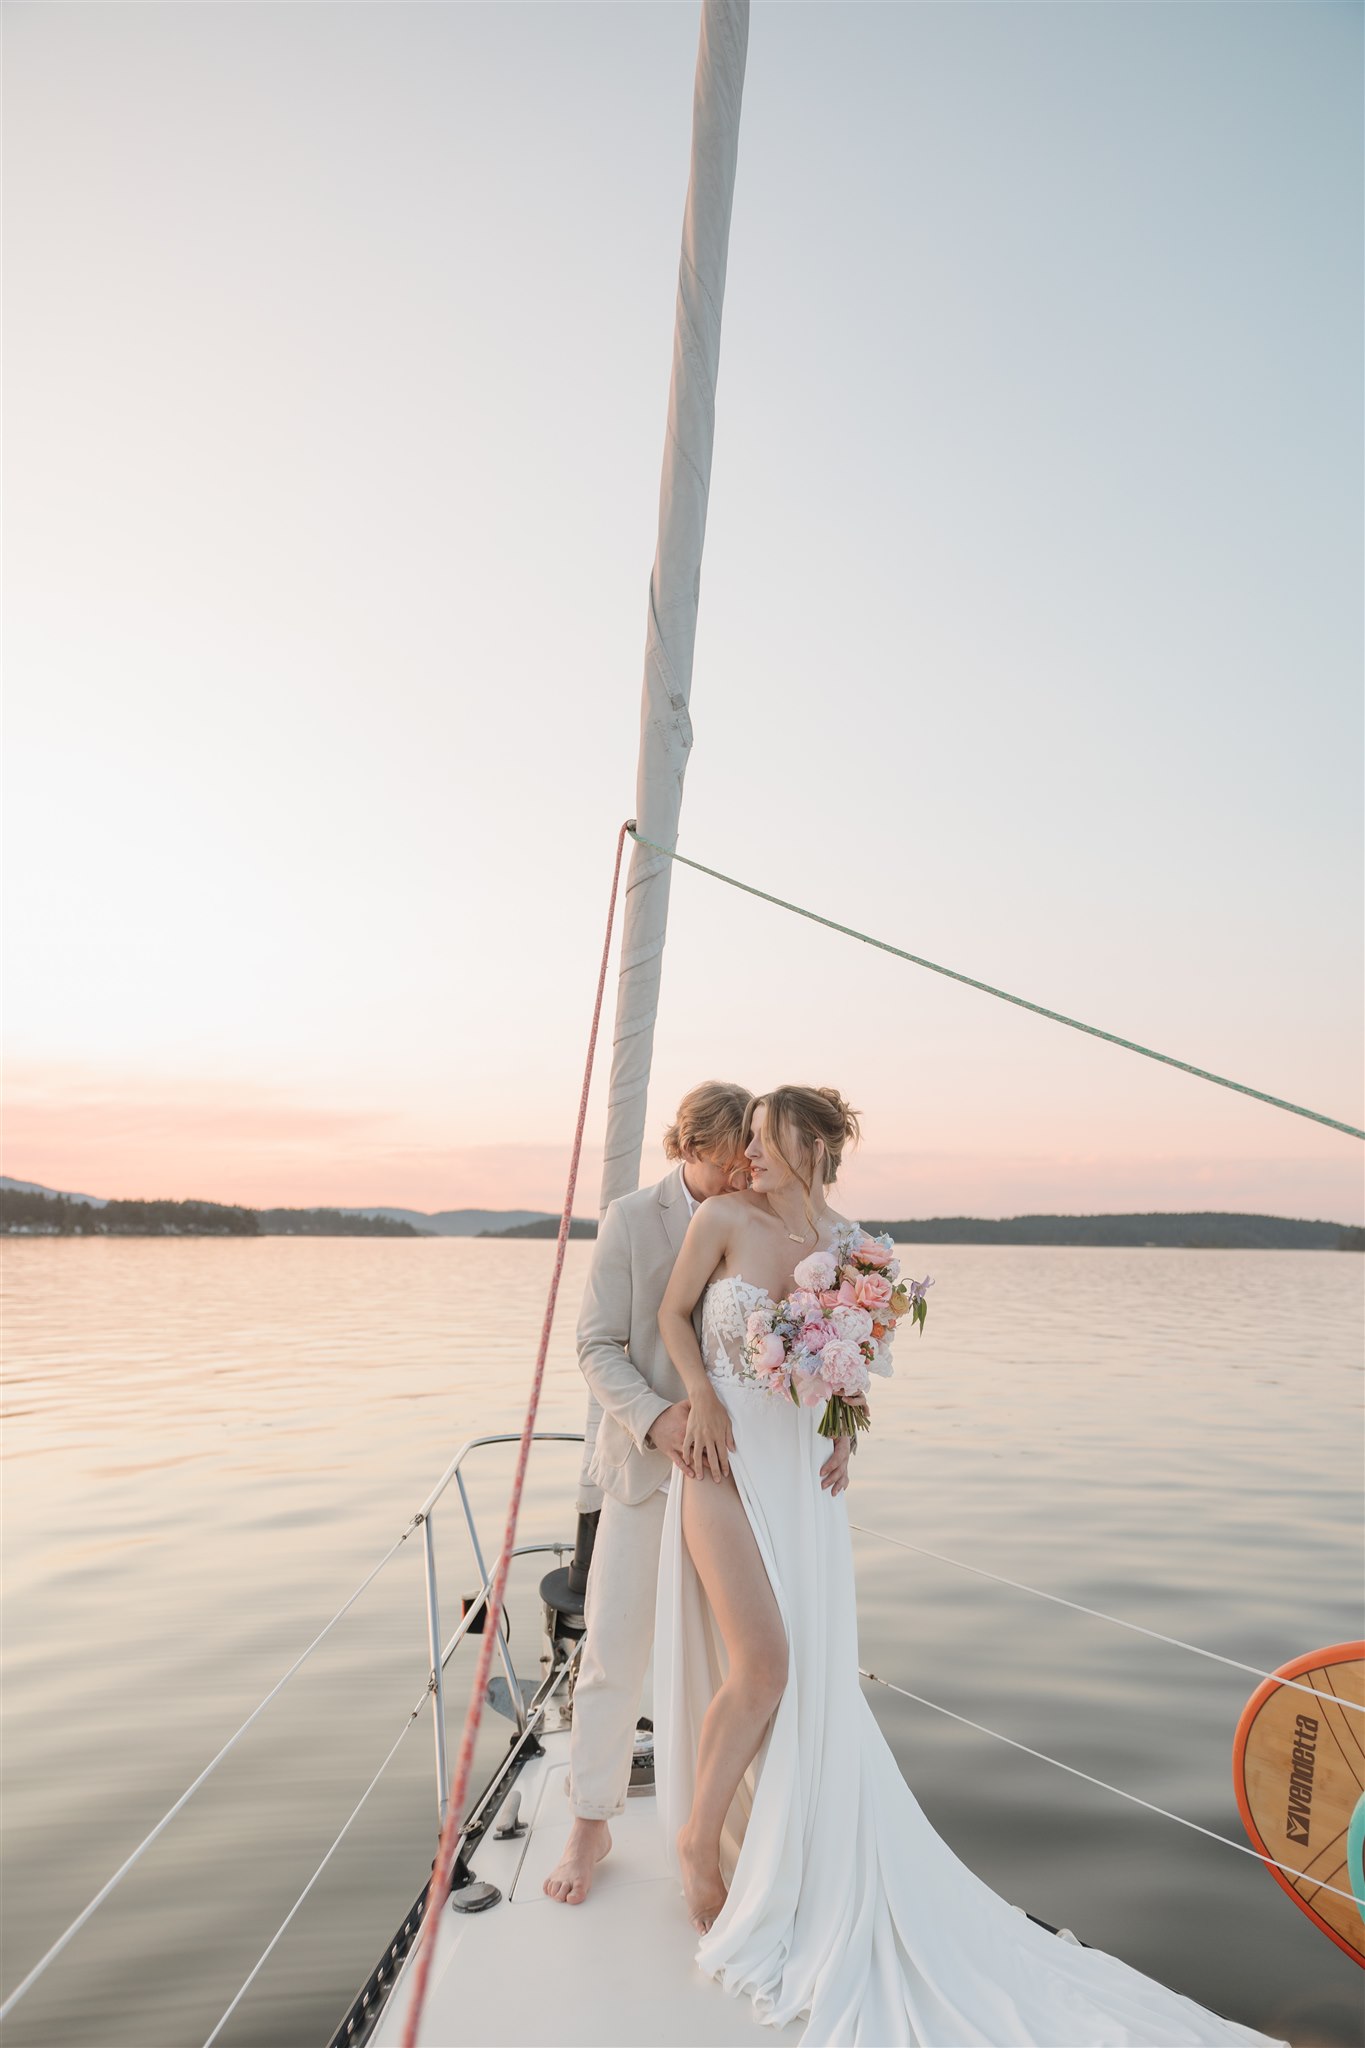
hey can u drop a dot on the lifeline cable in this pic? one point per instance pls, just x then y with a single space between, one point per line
875 1678
50 1957
1022 1002
443 1867
1138 1628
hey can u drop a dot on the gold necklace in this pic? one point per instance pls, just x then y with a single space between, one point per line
802 1239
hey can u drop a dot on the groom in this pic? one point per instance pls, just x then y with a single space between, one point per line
640 1439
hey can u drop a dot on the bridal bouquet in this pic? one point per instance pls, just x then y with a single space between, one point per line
823 1342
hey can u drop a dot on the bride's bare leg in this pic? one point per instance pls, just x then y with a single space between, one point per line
722 1547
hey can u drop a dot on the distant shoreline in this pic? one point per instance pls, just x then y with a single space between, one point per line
1156 1230
27 1210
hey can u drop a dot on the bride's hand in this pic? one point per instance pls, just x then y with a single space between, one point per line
709 1437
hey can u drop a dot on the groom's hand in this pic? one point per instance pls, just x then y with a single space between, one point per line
667 1431
834 1471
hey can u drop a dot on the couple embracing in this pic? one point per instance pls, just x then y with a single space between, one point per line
811 1874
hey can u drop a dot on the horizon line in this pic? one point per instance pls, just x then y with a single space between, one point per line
14 1182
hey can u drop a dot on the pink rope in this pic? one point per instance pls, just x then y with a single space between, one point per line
439 1889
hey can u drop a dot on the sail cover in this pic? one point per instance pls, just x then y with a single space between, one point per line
674 586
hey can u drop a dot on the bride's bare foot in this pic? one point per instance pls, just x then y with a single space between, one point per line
703 1886
571 1879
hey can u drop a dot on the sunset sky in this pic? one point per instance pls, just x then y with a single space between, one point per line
337 355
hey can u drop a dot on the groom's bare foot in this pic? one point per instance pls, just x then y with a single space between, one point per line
571 1879
703 1886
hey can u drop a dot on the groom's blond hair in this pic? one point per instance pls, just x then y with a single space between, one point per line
710 1119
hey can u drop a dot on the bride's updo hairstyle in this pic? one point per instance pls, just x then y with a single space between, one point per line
795 1118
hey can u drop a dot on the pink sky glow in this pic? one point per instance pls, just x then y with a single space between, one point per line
183 1139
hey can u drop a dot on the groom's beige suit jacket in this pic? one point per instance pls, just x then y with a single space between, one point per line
620 1351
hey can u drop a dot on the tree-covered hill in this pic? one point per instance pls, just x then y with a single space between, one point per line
1194 1230
26 1213
547 1226
1199 1230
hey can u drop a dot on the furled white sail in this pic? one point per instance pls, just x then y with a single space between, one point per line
665 725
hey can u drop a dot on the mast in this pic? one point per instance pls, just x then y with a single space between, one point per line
674 585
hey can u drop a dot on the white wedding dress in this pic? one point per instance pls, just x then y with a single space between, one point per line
843 1902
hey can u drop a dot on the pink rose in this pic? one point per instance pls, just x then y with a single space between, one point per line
848 1294
829 1298
769 1353
868 1252
874 1292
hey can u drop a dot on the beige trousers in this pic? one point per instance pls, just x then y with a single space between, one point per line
619 1612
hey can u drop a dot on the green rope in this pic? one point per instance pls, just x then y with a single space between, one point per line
1200 1073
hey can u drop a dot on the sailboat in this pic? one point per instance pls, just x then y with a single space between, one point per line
481 1957
623 1971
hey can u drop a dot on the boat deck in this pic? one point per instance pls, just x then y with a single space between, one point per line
616 1970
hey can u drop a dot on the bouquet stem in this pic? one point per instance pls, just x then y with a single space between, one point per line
841 1418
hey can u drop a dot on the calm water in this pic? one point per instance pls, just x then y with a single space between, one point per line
209 1443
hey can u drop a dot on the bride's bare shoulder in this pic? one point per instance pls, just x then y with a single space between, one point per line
724 1219
729 1209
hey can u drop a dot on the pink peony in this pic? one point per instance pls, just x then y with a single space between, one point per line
812 1390
843 1368
852 1324
816 1335
816 1271
804 1304
757 1326
874 1292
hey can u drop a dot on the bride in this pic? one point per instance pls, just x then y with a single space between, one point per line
810 1871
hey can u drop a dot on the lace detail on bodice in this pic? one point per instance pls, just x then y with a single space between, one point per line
725 1310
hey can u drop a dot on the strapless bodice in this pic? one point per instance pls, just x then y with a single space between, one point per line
726 1307
725 1310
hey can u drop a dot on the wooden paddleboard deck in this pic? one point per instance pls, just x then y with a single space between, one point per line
1298 1767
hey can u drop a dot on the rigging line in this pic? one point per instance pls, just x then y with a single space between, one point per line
102 1894
969 981
1293 1684
443 1868
1105 1786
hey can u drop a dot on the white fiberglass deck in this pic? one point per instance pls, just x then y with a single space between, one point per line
617 1970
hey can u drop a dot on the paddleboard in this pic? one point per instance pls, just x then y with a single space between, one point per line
1298 1768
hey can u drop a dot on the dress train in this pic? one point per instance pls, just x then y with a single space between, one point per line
844 1903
